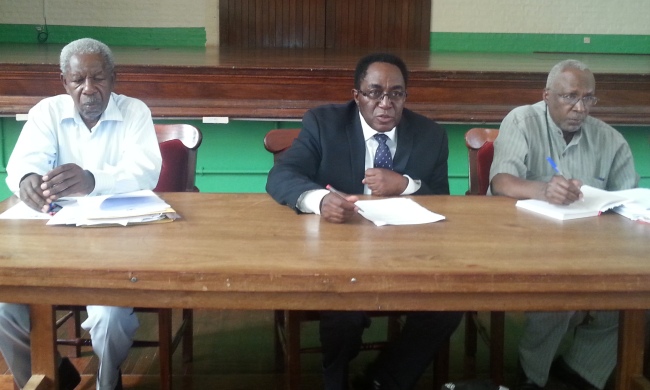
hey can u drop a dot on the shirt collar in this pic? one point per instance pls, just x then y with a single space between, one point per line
556 129
369 132
112 112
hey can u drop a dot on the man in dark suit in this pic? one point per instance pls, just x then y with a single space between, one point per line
338 146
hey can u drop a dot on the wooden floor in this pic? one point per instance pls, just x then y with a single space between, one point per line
233 350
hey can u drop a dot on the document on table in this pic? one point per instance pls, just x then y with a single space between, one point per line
633 204
121 209
396 211
638 209
21 211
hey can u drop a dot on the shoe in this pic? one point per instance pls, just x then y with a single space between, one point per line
69 377
523 383
561 370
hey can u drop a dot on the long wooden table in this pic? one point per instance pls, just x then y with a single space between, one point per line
244 251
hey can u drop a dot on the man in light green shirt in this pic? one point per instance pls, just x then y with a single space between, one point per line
547 151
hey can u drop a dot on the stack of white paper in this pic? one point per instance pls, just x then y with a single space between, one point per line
638 208
121 209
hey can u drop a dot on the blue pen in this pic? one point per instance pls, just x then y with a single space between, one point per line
554 166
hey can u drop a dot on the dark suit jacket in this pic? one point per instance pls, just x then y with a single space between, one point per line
330 149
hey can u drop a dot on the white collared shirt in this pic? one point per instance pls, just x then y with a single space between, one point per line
121 150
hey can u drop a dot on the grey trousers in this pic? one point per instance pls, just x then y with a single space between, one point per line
592 353
111 330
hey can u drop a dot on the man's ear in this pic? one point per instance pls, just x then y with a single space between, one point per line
545 95
355 95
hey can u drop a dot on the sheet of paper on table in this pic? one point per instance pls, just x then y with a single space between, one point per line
21 211
396 211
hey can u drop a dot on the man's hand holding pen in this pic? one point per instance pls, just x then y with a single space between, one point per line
560 190
337 207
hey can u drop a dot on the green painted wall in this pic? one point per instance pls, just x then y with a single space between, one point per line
440 41
232 157
529 43
112 36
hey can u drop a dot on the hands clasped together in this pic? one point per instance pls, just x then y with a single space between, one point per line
65 180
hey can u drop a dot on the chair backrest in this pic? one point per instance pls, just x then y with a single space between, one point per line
278 140
480 151
179 145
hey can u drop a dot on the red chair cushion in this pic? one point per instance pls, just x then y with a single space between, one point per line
173 175
484 157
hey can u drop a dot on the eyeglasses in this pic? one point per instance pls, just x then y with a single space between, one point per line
393 96
572 99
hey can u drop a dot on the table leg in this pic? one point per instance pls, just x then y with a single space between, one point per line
43 333
631 345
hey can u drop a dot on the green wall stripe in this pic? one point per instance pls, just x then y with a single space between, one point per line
118 36
528 43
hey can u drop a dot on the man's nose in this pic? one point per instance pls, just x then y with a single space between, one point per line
580 106
89 85
384 101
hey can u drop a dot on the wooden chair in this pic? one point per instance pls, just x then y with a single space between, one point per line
288 322
480 149
179 145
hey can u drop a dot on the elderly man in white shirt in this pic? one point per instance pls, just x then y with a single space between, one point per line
89 141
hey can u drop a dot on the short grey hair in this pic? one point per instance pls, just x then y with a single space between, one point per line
561 67
86 46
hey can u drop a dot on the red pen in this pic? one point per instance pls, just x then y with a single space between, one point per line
339 193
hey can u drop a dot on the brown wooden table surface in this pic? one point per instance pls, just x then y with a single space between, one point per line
244 251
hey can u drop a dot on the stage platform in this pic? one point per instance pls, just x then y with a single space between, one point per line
281 84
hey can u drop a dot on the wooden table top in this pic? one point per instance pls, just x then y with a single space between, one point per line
246 251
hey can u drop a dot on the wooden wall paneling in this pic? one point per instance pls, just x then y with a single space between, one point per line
224 30
277 22
405 22
381 23
321 26
425 26
261 23
237 23
307 24
340 24
297 15
393 21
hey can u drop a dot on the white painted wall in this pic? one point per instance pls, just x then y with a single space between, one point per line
116 13
629 17
494 16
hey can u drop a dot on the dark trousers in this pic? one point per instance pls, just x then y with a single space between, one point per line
397 367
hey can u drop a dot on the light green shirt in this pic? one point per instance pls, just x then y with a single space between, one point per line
598 155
